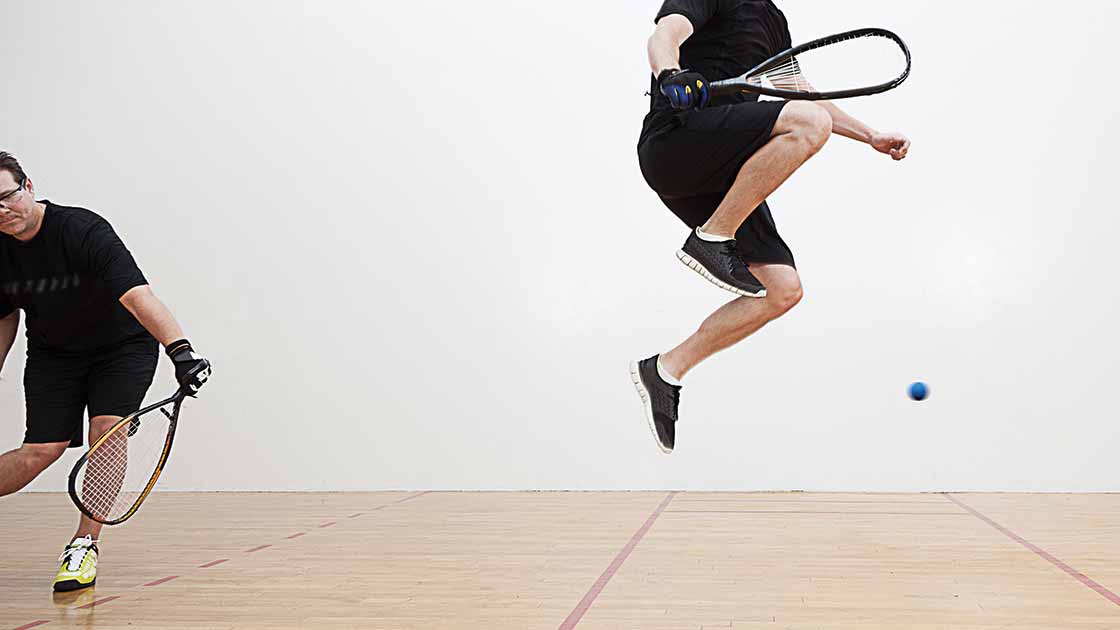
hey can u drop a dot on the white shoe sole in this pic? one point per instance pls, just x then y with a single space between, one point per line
700 269
647 409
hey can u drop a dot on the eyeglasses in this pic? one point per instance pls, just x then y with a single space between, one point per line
11 195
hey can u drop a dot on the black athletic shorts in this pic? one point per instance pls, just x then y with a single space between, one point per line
692 158
60 386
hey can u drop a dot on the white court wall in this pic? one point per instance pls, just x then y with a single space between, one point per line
414 239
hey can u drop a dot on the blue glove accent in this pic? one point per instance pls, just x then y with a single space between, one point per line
684 89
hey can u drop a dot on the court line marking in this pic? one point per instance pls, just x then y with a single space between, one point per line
328 524
1042 553
295 535
815 512
161 580
105 600
737 499
593 593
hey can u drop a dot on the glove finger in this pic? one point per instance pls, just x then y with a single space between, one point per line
679 98
705 95
667 92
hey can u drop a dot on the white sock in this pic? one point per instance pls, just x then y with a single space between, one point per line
711 238
665 375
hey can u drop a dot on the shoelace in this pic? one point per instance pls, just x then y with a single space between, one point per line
733 254
673 395
676 396
74 555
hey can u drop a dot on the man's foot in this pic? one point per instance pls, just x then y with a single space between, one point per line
659 401
79 565
721 264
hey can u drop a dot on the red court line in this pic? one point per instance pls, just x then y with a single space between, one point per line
295 535
355 515
412 496
98 602
692 498
217 562
596 588
1074 573
813 512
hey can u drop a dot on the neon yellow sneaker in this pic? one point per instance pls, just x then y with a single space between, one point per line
79 565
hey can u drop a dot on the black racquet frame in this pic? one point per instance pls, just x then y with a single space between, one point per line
740 83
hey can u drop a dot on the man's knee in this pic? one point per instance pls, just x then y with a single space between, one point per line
101 424
785 295
42 455
806 122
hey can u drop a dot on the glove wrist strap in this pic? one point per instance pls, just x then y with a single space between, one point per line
666 73
177 346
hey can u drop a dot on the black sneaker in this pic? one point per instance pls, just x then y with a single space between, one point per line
721 264
659 401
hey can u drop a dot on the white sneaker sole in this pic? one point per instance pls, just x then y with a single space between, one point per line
647 409
700 269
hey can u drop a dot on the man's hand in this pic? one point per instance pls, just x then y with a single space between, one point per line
892 143
191 370
683 88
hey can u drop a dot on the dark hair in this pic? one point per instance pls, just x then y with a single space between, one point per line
8 162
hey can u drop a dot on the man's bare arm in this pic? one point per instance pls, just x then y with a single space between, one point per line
191 370
892 143
152 314
8 327
664 46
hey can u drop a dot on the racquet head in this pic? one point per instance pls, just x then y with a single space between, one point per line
110 481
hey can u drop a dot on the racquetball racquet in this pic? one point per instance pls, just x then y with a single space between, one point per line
110 481
855 63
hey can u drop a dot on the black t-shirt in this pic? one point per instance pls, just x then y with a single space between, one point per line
68 279
729 37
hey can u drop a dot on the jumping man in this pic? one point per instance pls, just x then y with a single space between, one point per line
714 163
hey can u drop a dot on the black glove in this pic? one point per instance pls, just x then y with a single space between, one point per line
191 370
684 89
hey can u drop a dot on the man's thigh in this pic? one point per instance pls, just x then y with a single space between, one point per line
704 153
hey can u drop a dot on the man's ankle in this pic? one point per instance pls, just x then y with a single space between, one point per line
669 373
714 234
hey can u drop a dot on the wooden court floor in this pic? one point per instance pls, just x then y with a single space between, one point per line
643 560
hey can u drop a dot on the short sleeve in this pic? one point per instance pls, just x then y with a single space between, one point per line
698 12
109 260
785 42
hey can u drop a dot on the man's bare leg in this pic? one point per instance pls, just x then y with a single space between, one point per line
97 427
20 466
800 131
737 319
